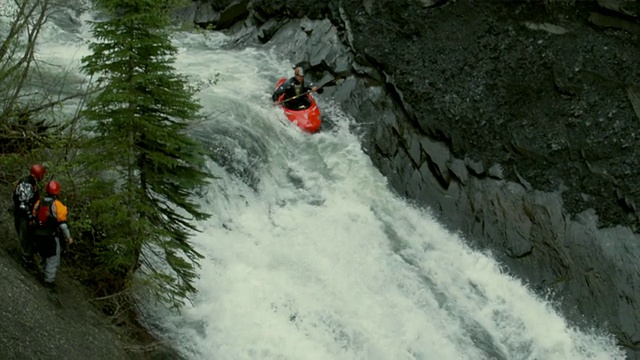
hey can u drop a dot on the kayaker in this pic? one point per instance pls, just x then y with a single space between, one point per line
294 90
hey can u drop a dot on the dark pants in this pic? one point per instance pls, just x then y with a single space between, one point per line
50 248
27 248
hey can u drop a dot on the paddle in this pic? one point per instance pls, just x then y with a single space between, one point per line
332 82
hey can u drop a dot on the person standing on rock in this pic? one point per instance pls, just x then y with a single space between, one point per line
293 89
25 195
50 226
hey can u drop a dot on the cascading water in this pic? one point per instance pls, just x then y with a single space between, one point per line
309 255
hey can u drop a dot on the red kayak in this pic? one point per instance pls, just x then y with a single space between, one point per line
307 119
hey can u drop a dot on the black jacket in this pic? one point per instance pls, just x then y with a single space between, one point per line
25 195
291 88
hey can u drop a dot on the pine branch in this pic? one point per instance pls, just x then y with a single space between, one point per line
140 118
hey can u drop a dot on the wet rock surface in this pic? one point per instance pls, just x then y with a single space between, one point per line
516 123
36 323
553 108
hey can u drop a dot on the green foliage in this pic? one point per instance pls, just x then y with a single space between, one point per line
150 165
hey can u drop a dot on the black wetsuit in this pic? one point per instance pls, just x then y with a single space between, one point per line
291 88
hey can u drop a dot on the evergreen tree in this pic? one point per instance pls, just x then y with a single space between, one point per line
139 122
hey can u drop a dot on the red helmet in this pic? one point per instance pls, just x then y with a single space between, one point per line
53 187
38 171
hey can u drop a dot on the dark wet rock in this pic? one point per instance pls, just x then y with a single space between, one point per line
205 15
633 93
496 171
459 170
517 124
476 167
614 22
626 7
185 15
216 15
234 12
550 28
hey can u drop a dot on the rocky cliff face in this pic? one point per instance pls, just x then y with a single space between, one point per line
517 123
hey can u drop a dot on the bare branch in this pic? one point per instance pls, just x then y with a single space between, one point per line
29 53
16 59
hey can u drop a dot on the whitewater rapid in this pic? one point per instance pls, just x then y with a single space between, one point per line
309 255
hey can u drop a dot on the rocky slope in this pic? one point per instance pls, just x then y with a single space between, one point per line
517 122
38 324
